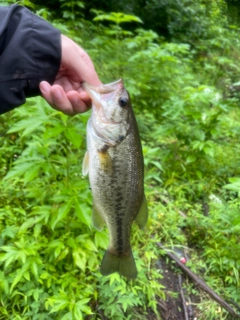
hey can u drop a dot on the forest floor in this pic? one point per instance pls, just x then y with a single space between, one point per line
177 305
180 304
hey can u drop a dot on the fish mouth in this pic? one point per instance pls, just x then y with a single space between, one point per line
103 88
112 130
103 92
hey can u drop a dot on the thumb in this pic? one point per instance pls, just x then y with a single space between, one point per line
78 63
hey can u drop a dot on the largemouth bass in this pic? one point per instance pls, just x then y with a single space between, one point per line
114 162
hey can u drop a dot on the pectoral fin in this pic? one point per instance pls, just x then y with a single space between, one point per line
105 160
142 215
85 165
97 220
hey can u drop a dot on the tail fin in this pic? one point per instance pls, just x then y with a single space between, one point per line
123 265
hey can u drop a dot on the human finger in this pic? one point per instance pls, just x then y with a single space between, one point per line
56 97
60 100
79 104
45 89
78 62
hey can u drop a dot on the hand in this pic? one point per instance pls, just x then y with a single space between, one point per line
66 94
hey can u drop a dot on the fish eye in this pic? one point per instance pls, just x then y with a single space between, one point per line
123 101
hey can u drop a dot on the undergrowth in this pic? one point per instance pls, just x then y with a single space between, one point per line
189 124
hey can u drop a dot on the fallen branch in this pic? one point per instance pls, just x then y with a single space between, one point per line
190 309
163 309
235 304
200 283
162 305
183 298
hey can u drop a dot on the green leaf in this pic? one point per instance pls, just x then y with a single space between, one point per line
101 239
32 172
9 231
82 212
61 214
81 305
234 185
20 169
73 136
26 275
191 158
58 303
36 294
16 279
115 277
89 245
34 269
209 151
80 260
63 254
27 224
117 18
27 126
77 313
69 316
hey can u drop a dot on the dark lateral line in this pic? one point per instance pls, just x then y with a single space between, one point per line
119 235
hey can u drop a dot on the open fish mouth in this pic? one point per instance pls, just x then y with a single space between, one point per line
101 94
103 88
104 92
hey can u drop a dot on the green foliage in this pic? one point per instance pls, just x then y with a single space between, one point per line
188 124
49 253
217 235
190 128
116 17
124 300
46 241
188 117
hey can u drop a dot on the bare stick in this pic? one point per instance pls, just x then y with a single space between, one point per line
200 283
183 298
162 305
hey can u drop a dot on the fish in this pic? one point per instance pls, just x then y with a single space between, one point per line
115 165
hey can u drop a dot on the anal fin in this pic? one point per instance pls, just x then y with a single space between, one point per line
142 216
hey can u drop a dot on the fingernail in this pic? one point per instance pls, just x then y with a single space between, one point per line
44 87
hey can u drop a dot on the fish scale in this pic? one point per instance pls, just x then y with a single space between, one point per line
121 183
115 167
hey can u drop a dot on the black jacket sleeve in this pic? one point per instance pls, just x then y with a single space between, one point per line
30 51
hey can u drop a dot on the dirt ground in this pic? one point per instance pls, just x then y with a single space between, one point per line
173 307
